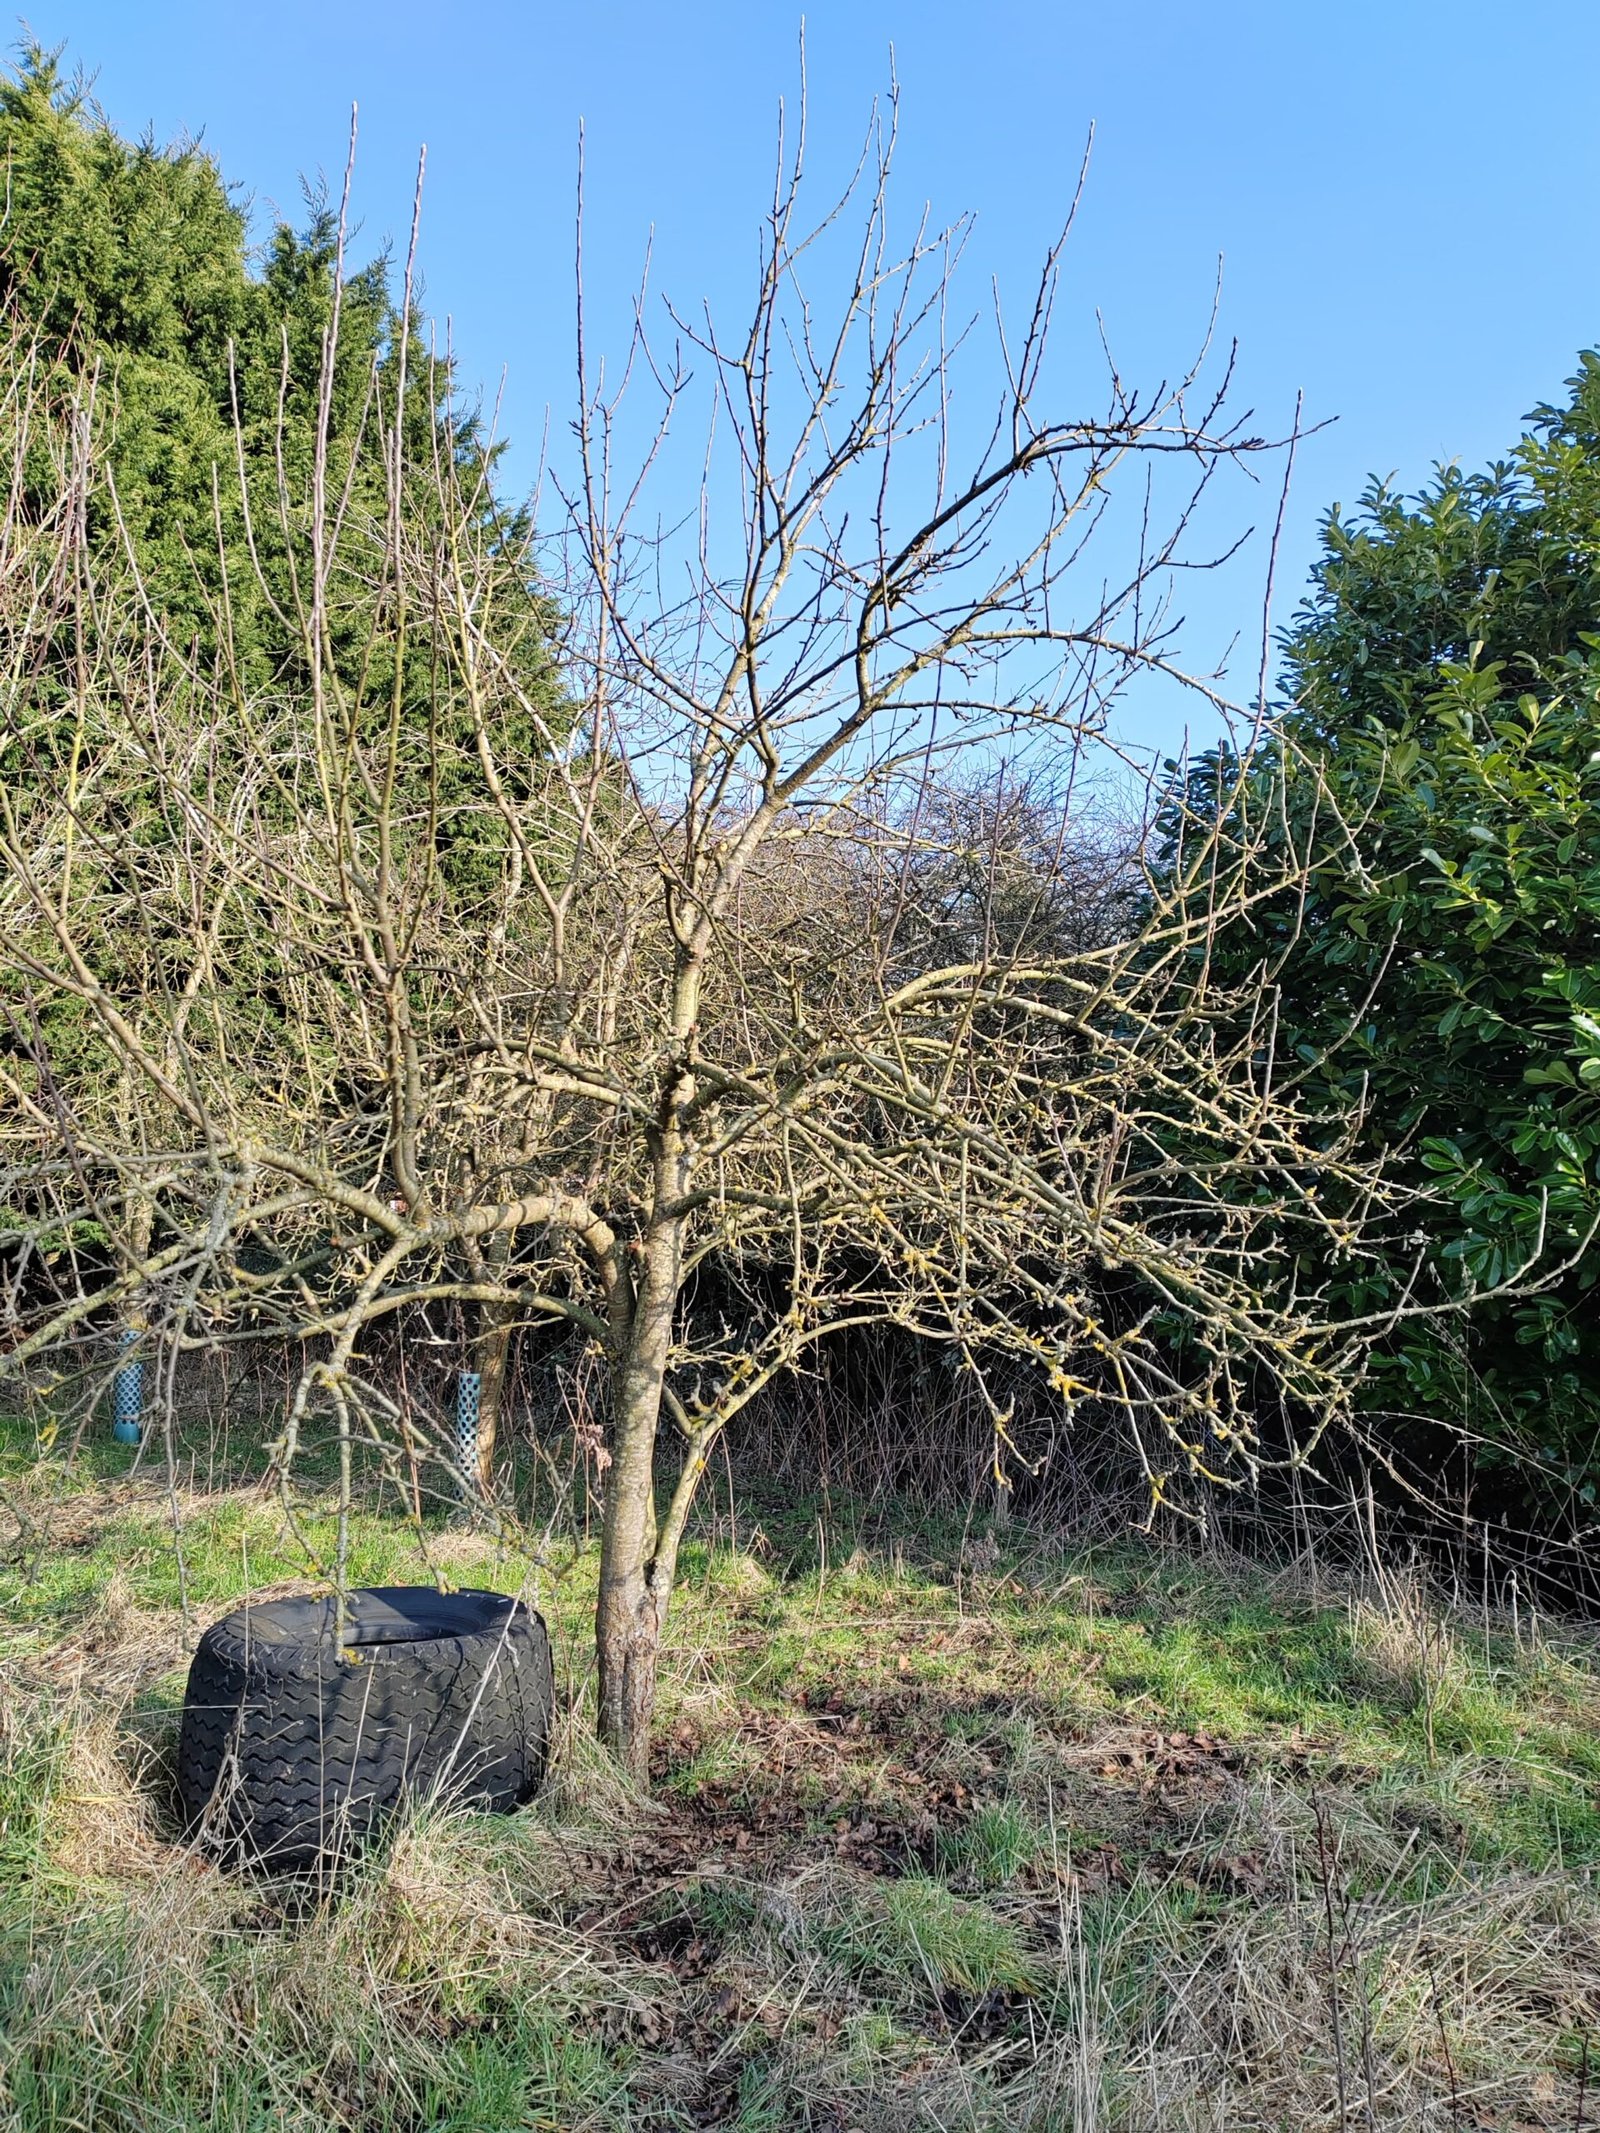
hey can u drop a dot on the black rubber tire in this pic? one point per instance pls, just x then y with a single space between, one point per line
292 1744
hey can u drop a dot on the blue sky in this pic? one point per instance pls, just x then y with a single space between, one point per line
1403 195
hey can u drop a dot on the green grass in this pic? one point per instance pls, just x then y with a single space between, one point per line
942 1835
991 1848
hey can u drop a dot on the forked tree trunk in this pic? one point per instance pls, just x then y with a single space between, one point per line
638 1563
636 1575
634 1581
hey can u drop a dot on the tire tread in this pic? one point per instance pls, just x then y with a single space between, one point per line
288 1750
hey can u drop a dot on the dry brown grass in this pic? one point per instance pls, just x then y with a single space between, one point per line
990 1845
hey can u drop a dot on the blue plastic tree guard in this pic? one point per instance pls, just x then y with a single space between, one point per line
127 1392
469 1402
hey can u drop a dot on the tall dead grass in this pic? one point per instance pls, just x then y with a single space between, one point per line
1283 1952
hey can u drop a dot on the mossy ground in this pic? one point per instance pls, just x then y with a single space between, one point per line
945 1831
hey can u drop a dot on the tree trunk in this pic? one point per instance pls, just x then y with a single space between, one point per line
636 1579
488 1354
139 1216
636 1567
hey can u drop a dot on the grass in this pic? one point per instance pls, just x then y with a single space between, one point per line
943 1834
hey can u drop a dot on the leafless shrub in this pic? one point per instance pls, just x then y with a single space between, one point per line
784 1004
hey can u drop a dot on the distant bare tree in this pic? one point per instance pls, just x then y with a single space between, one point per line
760 980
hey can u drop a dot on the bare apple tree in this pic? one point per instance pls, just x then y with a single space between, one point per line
687 1068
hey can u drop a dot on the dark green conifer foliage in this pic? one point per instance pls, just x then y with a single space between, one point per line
132 264
128 268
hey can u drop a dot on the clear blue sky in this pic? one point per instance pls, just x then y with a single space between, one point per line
1403 192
